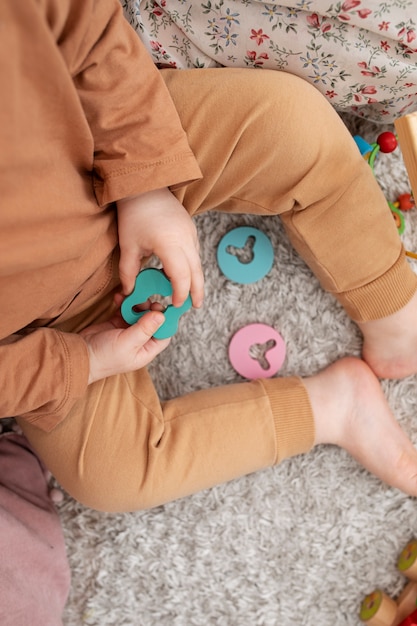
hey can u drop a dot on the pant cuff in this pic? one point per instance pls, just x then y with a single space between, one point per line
382 297
293 416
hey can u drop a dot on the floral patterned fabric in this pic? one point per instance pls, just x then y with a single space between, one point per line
361 54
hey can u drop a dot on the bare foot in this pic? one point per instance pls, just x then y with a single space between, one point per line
350 410
390 344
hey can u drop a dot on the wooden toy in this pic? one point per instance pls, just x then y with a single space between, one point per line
398 217
245 255
378 609
150 282
386 142
406 128
255 336
406 202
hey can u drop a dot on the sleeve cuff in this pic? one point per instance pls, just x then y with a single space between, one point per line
383 296
134 179
77 372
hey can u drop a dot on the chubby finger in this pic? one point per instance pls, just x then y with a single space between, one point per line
118 299
186 275
196 274
129 267
176 267
197 285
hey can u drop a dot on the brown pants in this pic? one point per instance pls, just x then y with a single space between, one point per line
267 143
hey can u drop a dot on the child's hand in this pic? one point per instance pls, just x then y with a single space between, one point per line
114 348
156 223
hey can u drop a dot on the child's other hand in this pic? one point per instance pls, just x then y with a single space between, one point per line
115 348
156 223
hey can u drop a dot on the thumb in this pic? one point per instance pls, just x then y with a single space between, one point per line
139 333
139 338
150 322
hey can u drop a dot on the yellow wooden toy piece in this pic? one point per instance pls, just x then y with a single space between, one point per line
378 609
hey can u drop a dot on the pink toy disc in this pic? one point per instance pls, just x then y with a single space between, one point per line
256 335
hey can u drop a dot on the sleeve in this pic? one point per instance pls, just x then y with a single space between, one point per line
139 145
139 142
59 364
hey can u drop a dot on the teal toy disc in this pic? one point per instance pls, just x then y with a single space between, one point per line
245 255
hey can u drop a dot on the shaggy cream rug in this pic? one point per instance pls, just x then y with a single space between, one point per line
300 543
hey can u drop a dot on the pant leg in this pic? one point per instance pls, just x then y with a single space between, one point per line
34 573
267 143
120 449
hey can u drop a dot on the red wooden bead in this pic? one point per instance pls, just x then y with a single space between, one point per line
406 201
387 142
